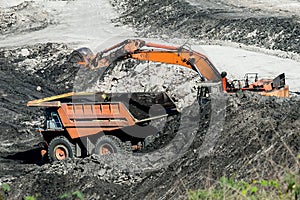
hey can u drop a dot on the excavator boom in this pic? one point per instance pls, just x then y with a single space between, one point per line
161 53
189 59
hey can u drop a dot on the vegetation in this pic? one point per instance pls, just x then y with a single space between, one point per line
77 195
31 197
5 189
228 188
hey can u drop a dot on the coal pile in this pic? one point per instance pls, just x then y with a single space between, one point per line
178 19
247 148
27 73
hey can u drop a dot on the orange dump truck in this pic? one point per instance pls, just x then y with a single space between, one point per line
78 124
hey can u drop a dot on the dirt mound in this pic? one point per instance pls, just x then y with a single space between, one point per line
178 19
24 17
178 82
248 148
27 73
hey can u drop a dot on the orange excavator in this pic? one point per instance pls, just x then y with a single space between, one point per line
146 51
78 124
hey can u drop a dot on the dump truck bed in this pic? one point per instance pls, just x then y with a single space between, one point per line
83 114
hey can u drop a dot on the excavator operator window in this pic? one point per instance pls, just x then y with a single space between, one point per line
250 76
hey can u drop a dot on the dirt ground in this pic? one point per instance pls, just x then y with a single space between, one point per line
254 134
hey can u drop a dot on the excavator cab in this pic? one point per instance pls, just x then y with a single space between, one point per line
279 81
266 87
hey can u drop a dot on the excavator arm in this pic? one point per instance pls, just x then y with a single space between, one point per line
137 49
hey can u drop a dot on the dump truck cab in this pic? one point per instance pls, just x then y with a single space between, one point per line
52 122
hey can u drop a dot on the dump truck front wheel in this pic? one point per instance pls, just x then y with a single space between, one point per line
109 144
60 148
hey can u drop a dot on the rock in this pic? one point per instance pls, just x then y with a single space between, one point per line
25 52
101 172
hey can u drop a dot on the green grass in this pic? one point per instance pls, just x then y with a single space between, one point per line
77 195
227 188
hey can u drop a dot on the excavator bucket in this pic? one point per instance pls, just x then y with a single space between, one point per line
81 56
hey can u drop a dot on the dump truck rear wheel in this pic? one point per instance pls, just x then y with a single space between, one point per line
60 148
108 144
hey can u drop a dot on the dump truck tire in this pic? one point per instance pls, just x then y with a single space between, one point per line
127 147
109 144
60 148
